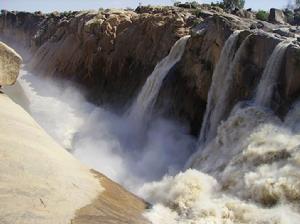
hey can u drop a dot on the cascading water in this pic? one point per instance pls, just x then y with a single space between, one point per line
221 81
100 138
248 173
147 96
221 84
269 77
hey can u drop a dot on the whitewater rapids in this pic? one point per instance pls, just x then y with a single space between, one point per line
247 167
249 174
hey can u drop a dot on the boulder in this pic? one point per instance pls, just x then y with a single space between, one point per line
284 32
244 13
277 16
10 63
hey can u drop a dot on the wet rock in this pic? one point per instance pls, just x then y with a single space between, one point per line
184 92
290 80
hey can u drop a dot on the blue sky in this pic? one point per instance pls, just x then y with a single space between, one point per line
65 5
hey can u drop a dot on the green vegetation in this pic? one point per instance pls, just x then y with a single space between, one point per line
176 3
289 15
232 4
262 15
189 4
66 13
225 4
218 4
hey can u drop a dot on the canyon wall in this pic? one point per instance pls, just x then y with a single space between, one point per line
112 52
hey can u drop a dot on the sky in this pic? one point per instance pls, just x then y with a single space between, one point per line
66 5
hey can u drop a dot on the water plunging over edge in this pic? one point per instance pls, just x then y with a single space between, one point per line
147 97
270 75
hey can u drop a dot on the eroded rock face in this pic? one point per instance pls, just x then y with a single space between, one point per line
10 63
277 16
20 27
184 93
113 52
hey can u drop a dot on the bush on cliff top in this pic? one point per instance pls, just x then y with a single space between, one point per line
262 15
232 4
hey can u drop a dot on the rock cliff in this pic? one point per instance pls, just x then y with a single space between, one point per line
112 52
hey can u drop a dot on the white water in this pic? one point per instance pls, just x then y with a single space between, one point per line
98 137
269 78
146 99
249 172
221 83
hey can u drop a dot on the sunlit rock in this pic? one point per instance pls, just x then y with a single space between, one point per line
10 63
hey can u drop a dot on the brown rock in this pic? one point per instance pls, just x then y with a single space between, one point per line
277 16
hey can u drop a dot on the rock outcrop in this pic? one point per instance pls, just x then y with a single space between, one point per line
111 52
42 183
10 63
277 16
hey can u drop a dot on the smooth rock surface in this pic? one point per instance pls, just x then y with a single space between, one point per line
40 182
10 63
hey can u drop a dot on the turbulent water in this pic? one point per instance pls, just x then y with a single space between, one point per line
247 172
147 97
100 138
269 78
222 77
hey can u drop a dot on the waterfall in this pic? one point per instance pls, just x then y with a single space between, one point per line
221 84
218 97
270 75
147 96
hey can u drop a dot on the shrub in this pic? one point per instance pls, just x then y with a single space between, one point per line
194 4
262 15
218 4
289 15
232 4
177 3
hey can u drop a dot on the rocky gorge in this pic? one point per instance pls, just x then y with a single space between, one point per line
234 80
99 51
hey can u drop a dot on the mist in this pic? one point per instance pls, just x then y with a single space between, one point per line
101 139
